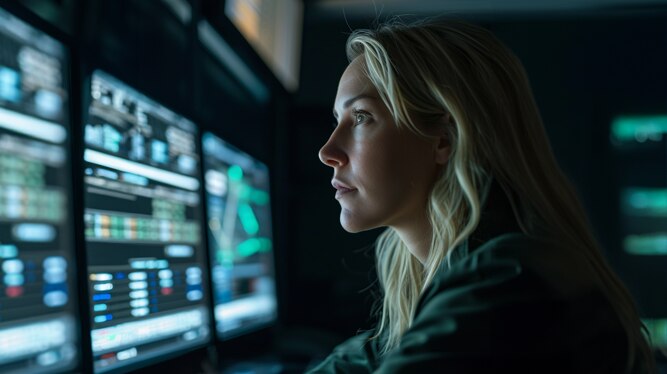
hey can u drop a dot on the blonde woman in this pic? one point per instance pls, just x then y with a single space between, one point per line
487 263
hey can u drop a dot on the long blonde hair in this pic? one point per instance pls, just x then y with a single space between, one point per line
427 70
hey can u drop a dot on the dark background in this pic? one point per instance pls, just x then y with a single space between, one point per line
586 65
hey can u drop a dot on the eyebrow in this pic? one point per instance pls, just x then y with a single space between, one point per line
349 102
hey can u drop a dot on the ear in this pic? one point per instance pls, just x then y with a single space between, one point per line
443 146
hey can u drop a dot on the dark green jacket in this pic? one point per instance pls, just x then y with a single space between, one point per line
509 303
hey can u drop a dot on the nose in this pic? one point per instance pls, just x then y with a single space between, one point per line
332 154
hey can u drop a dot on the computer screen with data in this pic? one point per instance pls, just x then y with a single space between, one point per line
38 294
143 228
240 239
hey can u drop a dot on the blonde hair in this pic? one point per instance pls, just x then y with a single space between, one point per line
425 71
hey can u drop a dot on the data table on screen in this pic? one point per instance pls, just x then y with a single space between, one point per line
146 260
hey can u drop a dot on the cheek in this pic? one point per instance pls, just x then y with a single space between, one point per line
387 174
376 166
412 168
392 165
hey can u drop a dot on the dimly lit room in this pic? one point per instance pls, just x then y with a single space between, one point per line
333 186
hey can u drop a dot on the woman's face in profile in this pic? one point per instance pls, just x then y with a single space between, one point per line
382 174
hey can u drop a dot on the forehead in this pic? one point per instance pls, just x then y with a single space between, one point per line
355 72
354 82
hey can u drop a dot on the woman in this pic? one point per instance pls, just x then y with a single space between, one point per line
488 262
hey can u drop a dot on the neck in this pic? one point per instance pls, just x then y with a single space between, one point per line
417 237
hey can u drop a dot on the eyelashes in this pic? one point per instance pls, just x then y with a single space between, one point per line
359 117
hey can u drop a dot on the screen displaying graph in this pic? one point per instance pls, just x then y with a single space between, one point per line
240 239
146 261
38 330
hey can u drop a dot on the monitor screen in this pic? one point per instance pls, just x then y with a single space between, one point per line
143 229
240 239
38 309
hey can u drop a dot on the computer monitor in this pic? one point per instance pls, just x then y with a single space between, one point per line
147 267
240 239
38 293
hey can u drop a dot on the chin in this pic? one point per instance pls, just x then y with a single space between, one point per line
351 229
353 224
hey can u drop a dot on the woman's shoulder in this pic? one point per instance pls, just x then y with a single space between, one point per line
526 279
513 300
520 257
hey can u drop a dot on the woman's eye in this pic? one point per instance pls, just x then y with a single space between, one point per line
360 118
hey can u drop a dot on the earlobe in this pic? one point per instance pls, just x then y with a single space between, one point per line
442 151
443 146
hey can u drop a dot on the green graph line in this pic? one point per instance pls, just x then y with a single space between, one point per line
254 245
235 173
248 219
259 197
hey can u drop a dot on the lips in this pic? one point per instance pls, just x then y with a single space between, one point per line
341 188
